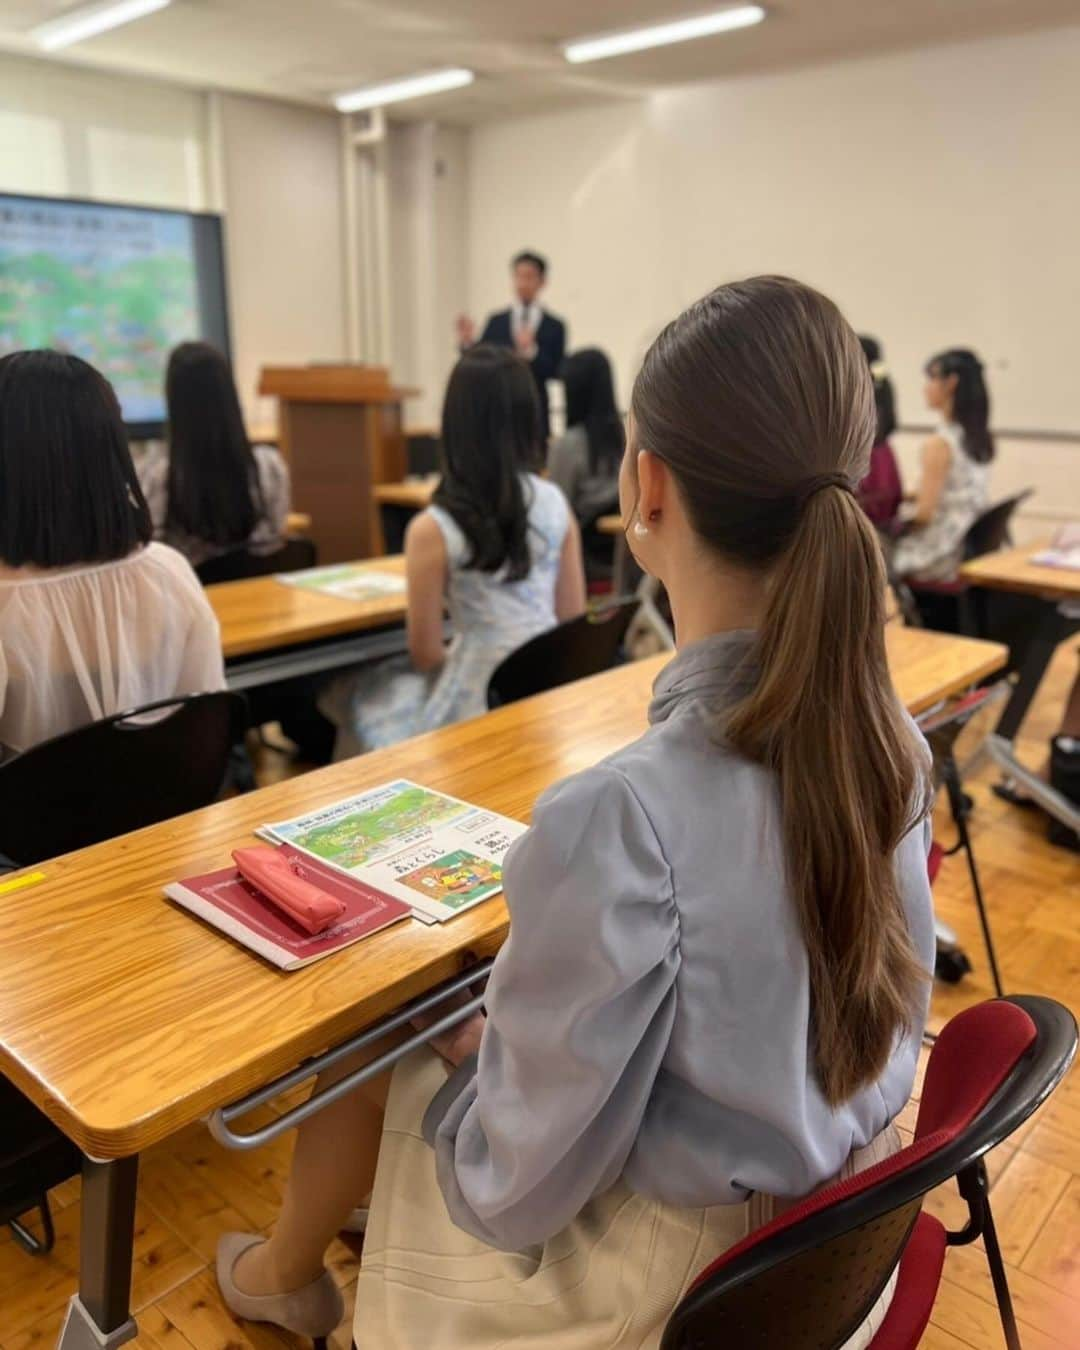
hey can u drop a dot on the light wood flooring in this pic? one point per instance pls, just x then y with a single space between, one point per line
191 1190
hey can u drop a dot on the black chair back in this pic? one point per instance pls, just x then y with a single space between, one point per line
117 775
423 453
34 1157
240 564
572 651
991 530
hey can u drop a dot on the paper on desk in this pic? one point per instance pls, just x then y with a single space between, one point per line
347 581
1063 552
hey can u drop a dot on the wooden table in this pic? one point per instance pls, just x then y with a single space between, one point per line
412 493
297 522
609 525
272 631
1053 594
1012 570
125 1019
398 503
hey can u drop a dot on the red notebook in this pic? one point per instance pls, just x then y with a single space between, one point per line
228 902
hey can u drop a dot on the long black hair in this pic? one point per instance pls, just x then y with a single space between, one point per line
590 402
213 480
971 399
490 437
68 490
884 396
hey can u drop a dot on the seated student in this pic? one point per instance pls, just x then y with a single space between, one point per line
880 492
585 460
718 969
498 545
210 492
955 480
94 618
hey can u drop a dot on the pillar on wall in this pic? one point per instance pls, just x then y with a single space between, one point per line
426 191
366 198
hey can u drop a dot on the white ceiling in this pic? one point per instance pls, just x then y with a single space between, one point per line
307 50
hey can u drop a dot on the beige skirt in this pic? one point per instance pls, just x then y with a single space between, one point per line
609 1281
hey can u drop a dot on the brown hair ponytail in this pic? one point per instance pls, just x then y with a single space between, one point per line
759 400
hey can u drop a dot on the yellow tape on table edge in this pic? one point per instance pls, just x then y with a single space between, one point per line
17 883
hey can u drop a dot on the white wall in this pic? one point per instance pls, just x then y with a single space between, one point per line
284 237
69 132
934 194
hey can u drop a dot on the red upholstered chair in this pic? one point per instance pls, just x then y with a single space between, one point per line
808 1280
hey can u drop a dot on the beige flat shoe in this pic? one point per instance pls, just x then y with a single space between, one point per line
315 1311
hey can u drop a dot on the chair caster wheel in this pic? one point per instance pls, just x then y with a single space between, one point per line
951 965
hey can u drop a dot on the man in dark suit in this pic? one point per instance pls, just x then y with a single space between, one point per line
539 337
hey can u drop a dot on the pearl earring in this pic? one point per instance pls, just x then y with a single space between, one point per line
640 530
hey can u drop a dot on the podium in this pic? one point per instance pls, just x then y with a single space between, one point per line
341 431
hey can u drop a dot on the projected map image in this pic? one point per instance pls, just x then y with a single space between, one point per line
114 286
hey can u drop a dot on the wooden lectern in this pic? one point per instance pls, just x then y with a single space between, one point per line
341 431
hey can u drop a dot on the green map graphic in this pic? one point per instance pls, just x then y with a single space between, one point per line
357 837
114 285
121 320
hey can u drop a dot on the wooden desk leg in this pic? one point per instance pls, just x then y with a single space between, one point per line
99 1316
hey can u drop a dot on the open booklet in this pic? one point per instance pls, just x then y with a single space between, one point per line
436 853
347 581
1063 552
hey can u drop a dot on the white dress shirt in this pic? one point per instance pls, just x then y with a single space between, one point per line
529 318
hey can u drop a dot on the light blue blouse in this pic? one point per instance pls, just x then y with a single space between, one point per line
649 1014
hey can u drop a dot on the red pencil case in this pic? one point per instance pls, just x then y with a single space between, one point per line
272 874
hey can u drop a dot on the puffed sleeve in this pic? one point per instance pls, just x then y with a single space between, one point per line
580 1007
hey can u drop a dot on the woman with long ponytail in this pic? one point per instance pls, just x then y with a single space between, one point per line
718 971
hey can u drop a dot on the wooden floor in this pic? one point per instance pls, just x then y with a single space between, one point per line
191 1190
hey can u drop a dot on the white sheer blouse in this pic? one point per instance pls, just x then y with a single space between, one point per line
78 644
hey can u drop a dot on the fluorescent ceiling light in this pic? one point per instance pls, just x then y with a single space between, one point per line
396 91
663 34
90 20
